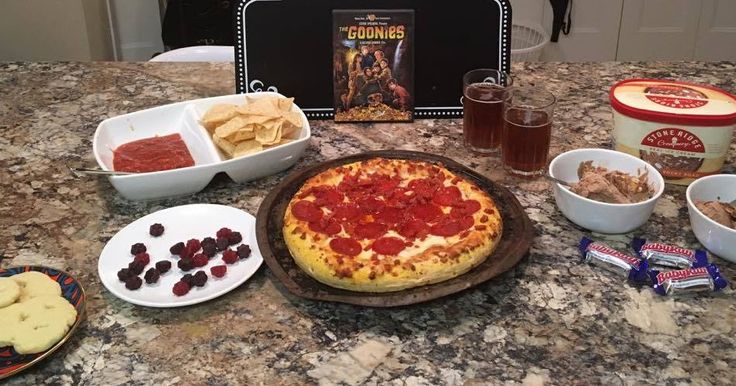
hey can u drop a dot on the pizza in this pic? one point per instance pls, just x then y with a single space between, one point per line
383 225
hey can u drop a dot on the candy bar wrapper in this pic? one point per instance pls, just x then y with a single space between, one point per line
671 256
600 254
684 281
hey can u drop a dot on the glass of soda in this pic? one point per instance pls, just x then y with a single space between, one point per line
484 91
527 130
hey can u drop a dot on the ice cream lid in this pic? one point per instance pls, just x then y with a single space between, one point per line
674 102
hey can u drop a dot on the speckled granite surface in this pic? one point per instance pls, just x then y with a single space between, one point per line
550 320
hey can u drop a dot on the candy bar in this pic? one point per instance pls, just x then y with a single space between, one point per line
599 254
703 279
669 255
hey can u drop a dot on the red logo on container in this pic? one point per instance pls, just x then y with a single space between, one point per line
682 274
675 139
679 97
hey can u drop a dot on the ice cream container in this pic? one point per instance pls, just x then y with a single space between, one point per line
682 129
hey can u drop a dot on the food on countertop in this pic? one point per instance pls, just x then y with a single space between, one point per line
124 274
669 255
611 186
136 267
601 255
199 279
152 155
133 283
144 258
177 248
35 324
181 288
720 212
681 129
262 122
185 264
200 260
243 251
382 225
685 281
229 256
222 243
156 230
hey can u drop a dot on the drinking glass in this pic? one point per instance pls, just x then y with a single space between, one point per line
484 91
527 130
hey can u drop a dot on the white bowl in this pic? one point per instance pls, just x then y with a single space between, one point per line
183 118
717 238
600 216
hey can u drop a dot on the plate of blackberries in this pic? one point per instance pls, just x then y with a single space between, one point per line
181 256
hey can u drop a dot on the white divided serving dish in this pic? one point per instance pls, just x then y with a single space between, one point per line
183 118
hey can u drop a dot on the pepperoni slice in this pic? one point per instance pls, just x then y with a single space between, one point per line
327 227
464 208
424 187
345 246
425 212
306 211
447 195
371 230
370 205
414 229
449 227
386 184
388 245
389 215
327 196
345 212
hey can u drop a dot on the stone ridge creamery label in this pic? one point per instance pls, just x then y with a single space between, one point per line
373 65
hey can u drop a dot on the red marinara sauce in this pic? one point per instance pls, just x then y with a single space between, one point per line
152 155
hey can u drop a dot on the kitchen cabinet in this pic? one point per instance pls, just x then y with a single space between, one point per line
638 29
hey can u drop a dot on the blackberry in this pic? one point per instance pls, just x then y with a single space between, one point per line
137 248
209 250
207 240
124 274
177 248
222 243
133 283
152 275
156 230
136 267
244 251
199 279
235 238
187 279
163 266
185 264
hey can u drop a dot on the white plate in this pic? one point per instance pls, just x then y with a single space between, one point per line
183 118
180 223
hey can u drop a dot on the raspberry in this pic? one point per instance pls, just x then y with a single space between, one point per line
186 254
163 266
235 238
229 256
222 243
209 250
156 230
244 251
185 264
200 260
133 283
124 274
199 279
136 267
224 232
207 240
193 245
152 275
181 288
187 279
143 258
218 270
137 248
176 248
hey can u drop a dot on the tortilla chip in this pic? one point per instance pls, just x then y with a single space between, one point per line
217 115
247 147
285 104
226 146
283 141
268 134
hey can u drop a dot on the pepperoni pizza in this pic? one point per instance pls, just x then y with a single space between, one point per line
383 225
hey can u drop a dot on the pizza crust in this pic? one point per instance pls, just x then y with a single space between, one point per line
431 260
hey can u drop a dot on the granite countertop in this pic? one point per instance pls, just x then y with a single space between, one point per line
551 319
